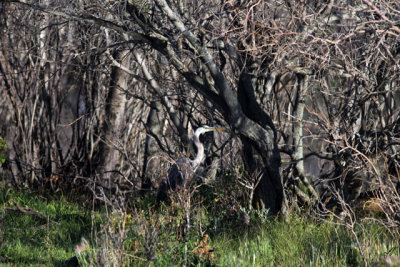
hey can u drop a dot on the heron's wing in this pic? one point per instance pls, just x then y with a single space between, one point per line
174 177
177 176
183 162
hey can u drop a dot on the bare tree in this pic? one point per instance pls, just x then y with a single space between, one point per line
310 83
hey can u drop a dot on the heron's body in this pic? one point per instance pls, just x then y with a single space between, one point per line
184 168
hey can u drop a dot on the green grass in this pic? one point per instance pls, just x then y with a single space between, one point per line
305 242
43 238
49 238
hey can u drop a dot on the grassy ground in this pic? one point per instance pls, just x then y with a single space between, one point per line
38 231
304 242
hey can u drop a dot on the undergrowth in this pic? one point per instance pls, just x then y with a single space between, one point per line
40 231
302 241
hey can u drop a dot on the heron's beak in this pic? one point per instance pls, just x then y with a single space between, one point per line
218 129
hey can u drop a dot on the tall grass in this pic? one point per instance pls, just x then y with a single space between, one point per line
303 241
39 231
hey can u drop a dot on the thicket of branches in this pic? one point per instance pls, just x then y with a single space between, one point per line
103 95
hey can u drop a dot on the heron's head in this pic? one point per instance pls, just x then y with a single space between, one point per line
205 129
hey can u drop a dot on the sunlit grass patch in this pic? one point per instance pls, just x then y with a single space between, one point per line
40 231
305 241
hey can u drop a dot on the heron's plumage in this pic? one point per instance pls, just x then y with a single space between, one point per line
184 168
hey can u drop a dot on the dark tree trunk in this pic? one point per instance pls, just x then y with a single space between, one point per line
260 149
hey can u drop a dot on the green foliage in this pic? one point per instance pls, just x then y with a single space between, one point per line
3 147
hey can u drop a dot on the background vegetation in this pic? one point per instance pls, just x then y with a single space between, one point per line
98 99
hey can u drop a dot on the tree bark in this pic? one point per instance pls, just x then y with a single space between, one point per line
113 121
260 153
153 130
297 131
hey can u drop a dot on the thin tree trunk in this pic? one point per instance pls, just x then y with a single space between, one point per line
298 114
153 129
113 121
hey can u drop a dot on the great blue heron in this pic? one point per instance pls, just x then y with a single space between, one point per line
184 168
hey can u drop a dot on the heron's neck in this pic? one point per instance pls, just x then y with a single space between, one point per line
200 151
